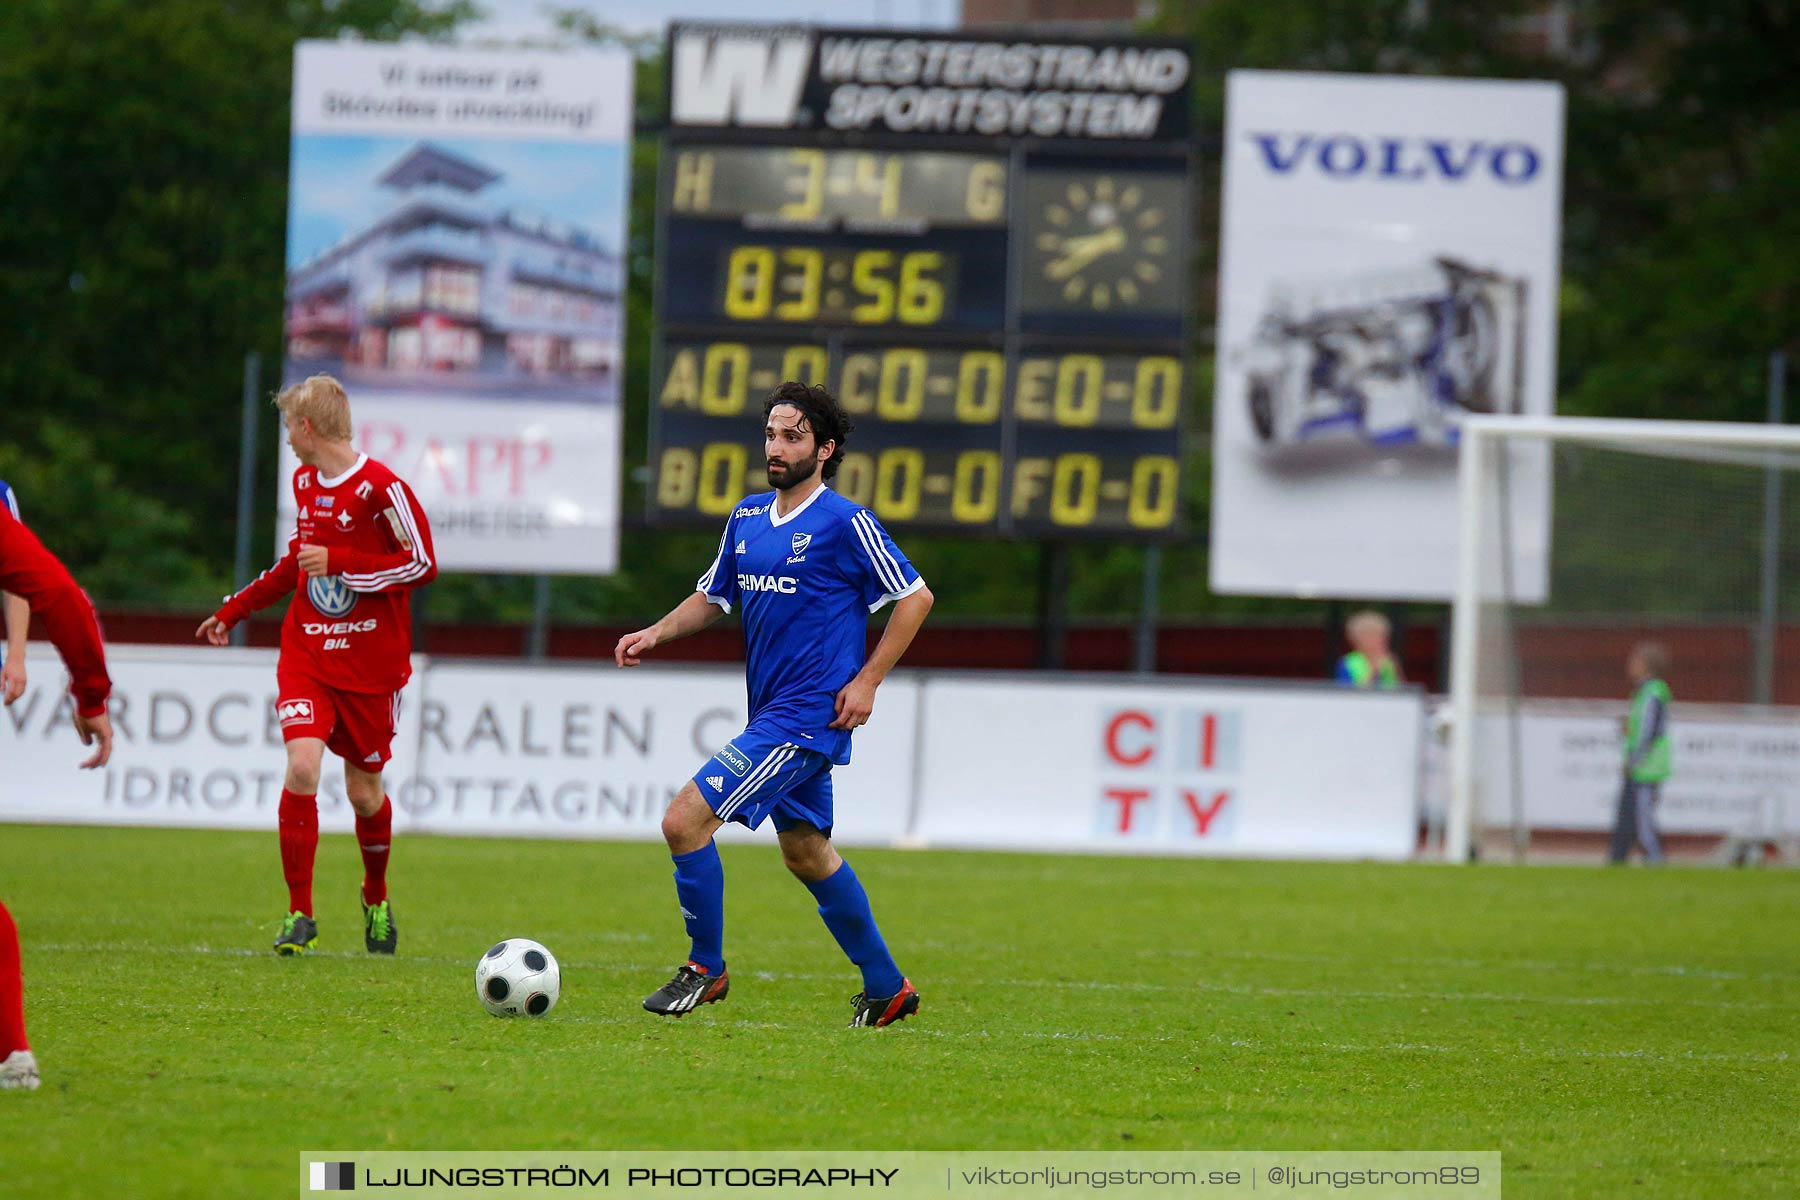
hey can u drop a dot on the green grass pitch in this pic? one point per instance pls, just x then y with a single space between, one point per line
1612 1032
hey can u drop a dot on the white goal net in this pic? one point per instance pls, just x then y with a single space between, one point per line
1582 541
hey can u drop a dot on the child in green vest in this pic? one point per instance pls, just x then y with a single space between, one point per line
1371 662
1647 761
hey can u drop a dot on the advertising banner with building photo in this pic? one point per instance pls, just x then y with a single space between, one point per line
1389 264
456 230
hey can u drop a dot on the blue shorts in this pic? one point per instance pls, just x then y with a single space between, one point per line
759 773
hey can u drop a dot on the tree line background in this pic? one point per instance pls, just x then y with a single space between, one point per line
143 178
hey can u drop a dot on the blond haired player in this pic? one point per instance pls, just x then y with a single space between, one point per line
361 543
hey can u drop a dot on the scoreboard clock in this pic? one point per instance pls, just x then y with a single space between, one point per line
1005 317
1104 241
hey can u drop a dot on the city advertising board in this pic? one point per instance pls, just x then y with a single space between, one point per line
1191 768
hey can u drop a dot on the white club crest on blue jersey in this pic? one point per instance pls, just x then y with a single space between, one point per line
330 595
801 542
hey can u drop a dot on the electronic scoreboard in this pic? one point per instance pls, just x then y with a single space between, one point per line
981 247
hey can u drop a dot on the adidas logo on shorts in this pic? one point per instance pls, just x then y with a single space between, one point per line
717 782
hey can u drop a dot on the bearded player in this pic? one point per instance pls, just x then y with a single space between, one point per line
806 567
361 544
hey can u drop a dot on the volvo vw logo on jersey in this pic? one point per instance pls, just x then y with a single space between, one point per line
330 595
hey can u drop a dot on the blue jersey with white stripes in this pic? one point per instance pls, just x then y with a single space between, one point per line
11 501
805 585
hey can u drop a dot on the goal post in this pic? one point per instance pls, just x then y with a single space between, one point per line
1580 539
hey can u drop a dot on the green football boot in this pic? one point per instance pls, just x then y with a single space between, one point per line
299 933
380 934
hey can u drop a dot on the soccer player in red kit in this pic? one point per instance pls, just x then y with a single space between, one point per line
33 574
361 544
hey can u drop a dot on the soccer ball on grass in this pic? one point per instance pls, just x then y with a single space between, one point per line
518 978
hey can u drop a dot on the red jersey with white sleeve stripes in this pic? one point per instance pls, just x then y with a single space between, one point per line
61 608
350 628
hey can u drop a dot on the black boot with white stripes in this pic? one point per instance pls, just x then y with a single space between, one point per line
690 988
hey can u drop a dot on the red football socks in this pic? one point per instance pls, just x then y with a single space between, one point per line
298 819
373 835
12 989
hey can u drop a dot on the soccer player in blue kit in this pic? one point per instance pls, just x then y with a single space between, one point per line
806 567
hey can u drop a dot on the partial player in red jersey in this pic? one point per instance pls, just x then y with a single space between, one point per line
360 546
17 614
32 574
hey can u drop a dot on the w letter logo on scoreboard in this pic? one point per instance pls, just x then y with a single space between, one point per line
723 78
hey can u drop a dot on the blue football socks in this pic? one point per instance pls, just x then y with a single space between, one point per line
700 886
844 906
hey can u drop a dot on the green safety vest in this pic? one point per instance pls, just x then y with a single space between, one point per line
1356 665
1654 767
